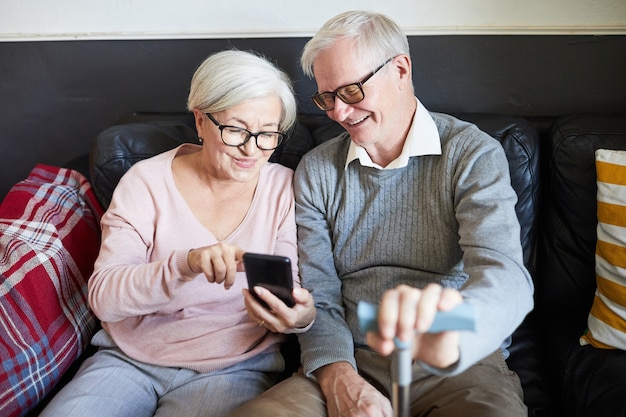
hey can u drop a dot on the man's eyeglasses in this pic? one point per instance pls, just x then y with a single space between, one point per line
238 136
349 94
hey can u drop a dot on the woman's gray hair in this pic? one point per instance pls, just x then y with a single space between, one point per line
376 38
228 78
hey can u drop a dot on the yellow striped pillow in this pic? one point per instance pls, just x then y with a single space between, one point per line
607 319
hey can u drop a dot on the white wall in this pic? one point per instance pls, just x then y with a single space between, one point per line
142 19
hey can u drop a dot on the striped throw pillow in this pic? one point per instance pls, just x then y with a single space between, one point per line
607 319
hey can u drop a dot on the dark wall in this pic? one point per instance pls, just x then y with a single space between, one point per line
56 96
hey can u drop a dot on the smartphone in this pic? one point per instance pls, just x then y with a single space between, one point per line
272 272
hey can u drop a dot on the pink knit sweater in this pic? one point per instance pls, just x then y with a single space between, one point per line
136 289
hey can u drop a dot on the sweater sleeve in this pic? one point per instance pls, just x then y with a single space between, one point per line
498 286
125 282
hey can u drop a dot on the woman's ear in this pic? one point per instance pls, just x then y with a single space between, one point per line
200 120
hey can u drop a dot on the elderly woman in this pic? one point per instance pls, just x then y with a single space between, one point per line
182 335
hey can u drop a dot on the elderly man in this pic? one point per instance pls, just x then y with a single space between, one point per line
410 209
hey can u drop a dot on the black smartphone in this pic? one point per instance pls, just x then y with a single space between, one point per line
272 272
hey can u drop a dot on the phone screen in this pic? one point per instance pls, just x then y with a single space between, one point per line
272 272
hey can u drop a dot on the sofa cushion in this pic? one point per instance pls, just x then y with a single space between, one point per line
607 318
567 258
117 148
49 240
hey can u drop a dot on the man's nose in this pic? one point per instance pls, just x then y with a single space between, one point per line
341 110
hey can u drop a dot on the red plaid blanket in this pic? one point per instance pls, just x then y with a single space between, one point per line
49 239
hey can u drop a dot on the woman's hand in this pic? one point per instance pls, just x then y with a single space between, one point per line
279 318
219 263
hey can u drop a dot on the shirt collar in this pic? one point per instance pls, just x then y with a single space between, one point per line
422 139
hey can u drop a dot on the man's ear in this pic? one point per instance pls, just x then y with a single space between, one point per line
402 64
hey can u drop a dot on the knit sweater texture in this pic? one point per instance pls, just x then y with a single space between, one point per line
446 218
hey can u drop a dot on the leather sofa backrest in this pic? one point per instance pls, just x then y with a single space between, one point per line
140 136
567 245
117 148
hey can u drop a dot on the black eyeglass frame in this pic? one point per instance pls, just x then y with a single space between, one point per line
221 127
336 93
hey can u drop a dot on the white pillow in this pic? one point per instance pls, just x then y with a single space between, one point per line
607 318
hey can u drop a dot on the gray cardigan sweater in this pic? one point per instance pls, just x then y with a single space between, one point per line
446 218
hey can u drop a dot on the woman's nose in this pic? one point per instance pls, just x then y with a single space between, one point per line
250 148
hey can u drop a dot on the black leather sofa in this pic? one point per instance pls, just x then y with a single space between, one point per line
142 135
552 170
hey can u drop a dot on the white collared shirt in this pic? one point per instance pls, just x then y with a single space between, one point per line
422 139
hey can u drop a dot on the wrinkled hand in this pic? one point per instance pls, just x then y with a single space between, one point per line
403 310
349 395
279 318
219 263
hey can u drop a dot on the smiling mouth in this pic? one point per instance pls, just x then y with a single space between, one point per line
356 122
247 163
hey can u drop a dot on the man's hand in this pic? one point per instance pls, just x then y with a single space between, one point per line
349 395
405 310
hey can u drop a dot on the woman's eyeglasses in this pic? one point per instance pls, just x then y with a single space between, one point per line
349 94
238 136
